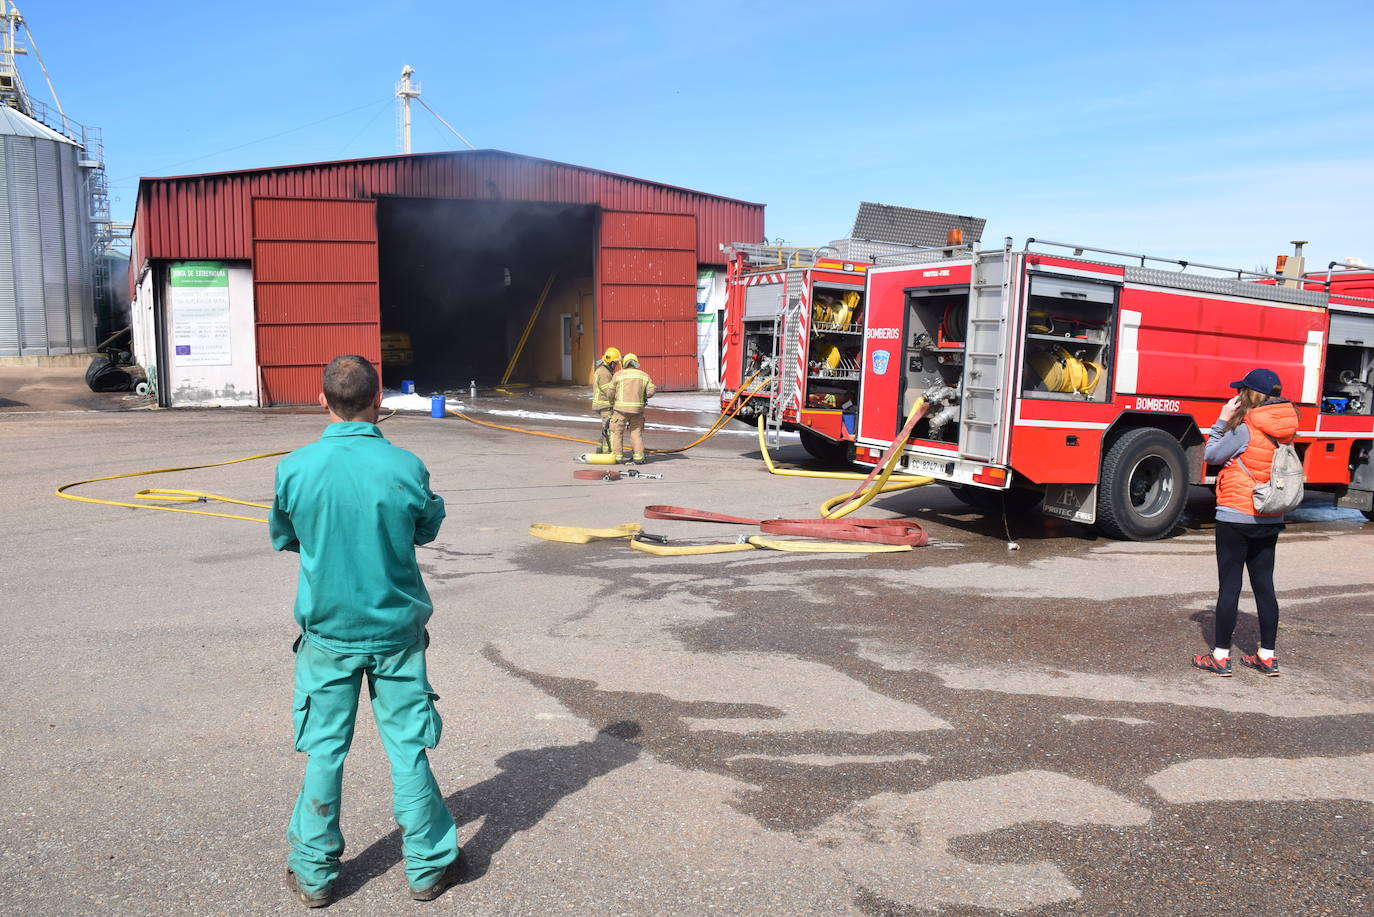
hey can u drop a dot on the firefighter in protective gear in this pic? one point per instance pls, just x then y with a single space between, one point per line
629 389
600 381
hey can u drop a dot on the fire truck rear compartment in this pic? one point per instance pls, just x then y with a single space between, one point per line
835 350
936 327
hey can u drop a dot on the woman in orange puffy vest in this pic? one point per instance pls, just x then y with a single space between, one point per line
1247 431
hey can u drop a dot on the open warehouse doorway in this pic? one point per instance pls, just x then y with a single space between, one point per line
461 279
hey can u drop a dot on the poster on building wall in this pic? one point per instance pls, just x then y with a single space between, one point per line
199 300
708 372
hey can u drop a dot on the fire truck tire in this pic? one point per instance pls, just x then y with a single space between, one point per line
827 450
1143 487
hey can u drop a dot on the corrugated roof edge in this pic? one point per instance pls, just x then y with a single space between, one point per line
552 162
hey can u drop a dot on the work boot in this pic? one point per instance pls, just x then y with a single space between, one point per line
318 899
639 459
450 877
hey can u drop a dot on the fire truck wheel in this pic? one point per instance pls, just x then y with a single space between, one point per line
1143 486
826 450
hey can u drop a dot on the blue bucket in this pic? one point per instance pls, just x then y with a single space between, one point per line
1335 405
437 406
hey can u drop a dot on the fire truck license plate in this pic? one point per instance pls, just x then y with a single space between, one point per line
930 466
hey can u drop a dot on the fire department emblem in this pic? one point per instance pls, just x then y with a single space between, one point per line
880 358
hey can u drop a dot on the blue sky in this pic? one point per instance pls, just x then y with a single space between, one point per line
1210 131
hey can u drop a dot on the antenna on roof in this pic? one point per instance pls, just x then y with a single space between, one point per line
405 91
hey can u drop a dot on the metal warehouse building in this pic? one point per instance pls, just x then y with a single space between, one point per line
247 283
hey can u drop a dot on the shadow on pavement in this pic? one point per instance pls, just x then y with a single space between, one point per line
532 781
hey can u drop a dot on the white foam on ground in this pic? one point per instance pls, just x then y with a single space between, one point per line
421 404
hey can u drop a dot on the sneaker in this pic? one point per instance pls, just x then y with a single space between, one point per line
321 899
449 878
1268 666
1212 664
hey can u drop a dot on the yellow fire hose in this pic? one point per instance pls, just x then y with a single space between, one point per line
189 495
178 495
725 416
572 535
836 506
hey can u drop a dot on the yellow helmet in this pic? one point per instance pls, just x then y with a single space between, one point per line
630 358
610 356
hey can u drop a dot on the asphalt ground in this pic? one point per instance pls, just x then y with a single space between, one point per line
964 729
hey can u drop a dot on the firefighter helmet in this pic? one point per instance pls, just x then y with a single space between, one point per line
610 356
630 360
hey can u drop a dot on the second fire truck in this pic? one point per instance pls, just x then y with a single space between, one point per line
793 334
1085 380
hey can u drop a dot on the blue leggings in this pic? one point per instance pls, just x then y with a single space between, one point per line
1242 547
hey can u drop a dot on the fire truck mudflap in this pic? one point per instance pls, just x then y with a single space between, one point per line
1074 502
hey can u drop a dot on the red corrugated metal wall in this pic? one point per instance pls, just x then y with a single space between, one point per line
296 224
210 216
646 282
315 288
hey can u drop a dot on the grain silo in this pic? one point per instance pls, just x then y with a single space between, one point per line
46 304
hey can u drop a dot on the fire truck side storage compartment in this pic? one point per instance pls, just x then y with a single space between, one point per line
1348 383
936 328
836 348
1068 341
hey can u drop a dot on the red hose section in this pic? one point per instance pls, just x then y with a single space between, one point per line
872 531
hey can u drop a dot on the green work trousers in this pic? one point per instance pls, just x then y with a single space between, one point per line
326 708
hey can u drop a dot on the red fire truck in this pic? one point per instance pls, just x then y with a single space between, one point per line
1085 380
793 323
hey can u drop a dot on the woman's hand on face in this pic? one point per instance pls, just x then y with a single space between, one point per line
1228 410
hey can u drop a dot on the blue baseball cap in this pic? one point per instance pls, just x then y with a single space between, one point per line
1264 381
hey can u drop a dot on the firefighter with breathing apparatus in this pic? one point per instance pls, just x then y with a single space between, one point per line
600 382
628 391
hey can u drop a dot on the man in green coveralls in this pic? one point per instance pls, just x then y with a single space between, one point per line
354 507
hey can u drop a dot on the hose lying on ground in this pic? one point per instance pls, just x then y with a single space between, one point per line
758 541
176 495
836 506
725 416
731 409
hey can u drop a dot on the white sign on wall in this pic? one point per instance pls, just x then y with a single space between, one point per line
200 313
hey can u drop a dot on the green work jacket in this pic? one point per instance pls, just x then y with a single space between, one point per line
354 507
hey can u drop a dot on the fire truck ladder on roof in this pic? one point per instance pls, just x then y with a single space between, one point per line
1240 273
760 255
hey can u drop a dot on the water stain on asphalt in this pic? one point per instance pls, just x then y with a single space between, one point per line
1061 708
